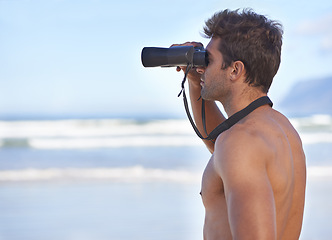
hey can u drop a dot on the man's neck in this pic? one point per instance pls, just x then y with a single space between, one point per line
237 102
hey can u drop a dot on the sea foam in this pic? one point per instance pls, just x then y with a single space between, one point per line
115 133
130 174
125 174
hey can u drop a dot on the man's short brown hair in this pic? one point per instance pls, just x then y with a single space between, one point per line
250 38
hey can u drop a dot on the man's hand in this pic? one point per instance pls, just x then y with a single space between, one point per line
193 75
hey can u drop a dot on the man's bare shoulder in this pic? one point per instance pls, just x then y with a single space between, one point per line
256 141
254 138
249 135
241 148
261 127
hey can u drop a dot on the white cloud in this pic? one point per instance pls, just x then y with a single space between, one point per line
320 27
326 43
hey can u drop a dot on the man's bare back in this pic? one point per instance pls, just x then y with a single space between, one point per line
260 157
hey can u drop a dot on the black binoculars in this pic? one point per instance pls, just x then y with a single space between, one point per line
173 56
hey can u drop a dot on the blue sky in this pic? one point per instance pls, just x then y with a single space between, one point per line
82 58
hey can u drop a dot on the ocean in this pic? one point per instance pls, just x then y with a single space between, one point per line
119 179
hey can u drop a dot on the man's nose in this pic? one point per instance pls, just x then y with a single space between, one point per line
200 70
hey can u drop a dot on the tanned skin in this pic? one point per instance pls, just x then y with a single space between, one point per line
253 186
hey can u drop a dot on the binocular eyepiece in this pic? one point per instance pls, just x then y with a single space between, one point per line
173 56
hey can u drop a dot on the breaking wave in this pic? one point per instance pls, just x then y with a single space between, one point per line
116 133
130 174
133 174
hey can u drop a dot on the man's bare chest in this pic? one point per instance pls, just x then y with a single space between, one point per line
212 185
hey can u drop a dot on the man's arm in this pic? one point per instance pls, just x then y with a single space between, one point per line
240 160
213 115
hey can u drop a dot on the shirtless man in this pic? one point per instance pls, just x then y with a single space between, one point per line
253 187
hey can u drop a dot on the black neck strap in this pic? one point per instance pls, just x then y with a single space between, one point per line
228 123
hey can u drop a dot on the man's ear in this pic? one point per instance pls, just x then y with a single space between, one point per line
238 70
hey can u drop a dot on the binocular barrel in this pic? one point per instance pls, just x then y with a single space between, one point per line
173 56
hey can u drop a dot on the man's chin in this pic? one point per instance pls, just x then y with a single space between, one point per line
205 96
